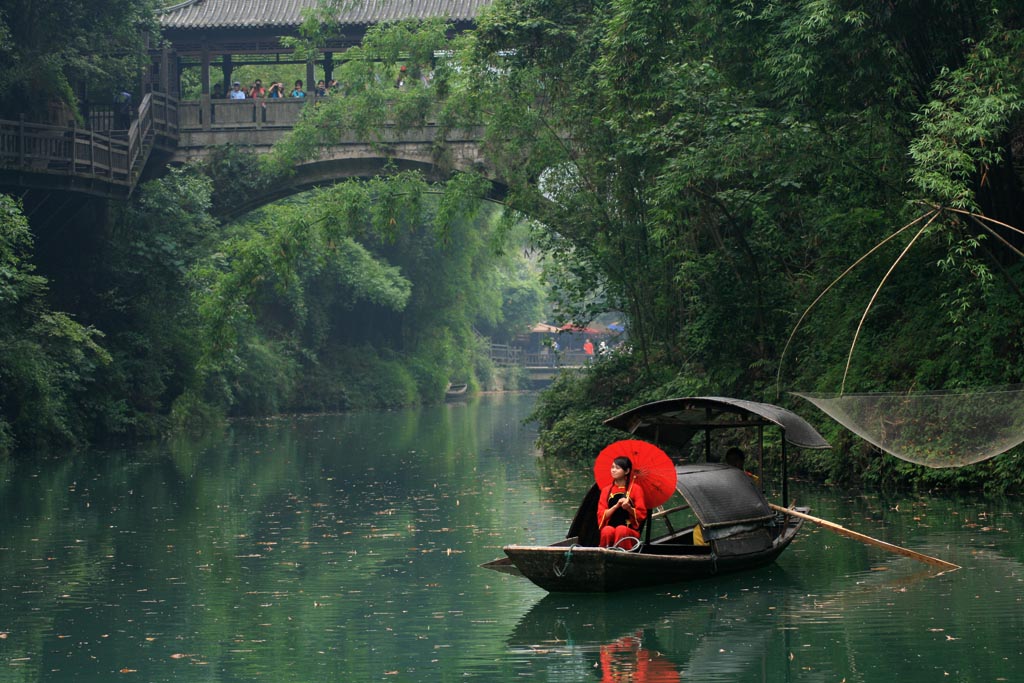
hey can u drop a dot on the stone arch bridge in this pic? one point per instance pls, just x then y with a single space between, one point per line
258 125
42 162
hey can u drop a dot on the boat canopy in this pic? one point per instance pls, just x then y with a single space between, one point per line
721 495
675 421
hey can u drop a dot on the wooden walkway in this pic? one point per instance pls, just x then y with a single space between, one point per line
506 354
101 163
111 163
540 368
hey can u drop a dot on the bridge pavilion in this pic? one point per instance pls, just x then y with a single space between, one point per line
222 35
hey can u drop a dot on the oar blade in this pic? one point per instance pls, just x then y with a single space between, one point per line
864 538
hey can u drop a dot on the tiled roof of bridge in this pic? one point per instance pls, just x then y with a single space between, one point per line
219 14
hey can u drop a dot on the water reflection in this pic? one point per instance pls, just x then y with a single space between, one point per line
347 548
888 620
287 549
719 630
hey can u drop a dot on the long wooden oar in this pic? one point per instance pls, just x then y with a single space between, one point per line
839 529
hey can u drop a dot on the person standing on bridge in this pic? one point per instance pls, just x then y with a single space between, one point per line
297 91
236 91
257 91
123 110
588 347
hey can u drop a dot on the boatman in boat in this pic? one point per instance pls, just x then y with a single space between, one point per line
736 457
620 509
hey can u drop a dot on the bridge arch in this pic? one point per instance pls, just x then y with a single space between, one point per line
325 172
435 152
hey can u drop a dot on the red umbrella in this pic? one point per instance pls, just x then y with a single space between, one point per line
653 470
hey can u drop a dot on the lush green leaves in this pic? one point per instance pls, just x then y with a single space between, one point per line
717 166
47 360
48 49
964 127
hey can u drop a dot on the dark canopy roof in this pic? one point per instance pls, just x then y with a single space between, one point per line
250 14
721 495
676 420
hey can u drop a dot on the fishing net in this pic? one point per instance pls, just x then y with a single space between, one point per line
934 428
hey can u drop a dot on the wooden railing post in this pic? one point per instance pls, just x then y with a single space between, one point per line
21 140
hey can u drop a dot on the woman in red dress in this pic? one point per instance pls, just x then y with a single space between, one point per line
620 510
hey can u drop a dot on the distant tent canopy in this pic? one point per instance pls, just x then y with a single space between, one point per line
576 329
569 328
932 428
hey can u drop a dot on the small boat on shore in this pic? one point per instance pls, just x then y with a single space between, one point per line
740 529
455 392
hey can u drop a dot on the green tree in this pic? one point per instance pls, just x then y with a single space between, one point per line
57 52
708 169
47 360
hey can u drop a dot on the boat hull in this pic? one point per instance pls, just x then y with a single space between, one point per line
571 568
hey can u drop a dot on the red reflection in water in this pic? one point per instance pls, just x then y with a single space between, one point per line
626 659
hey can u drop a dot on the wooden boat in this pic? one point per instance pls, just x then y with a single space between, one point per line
741 529
455 391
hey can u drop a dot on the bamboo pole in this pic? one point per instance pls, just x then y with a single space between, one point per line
863 538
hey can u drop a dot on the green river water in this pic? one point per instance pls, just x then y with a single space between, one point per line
347 548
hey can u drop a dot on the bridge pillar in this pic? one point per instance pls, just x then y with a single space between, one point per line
165 71
328 67
226 67
205 106
204 70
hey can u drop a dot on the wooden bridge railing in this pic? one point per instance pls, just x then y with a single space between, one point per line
235 114
505 354
115 156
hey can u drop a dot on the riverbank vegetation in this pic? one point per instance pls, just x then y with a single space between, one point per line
364 295
712 169
707 170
